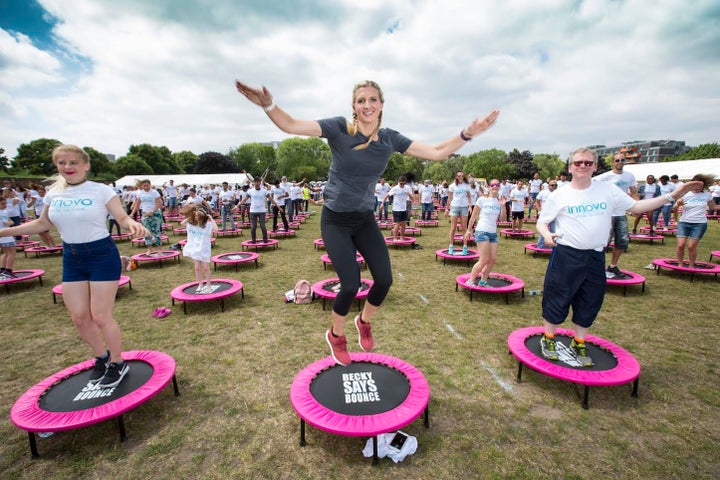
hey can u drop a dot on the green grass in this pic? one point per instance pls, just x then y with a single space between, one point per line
234 368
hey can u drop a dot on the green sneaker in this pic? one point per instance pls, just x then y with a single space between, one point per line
581 354
547 348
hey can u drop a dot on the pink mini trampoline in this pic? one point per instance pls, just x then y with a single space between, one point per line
659 231
121 237
221 289
457 255
235 258
325 258
386 225
646 237
157 257
329 288
374 394
715 253
43 249
281 233
22 245
497 283
229 232
66 400
22 276
533 247
400 242
612 364
270 243
140 242
124 280
180 230
459 237
319 243
413 231
701 268
426 223
510 233
634 279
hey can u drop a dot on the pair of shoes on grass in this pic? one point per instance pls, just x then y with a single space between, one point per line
161 312
338 344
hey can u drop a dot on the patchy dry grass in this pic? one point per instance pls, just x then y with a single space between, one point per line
234 368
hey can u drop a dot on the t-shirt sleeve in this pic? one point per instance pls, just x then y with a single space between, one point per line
332 127
106 193
399 141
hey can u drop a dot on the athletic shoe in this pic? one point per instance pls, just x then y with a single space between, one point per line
208 289
612 272
483 283
547 348
365 338
464 250
338 348
451 250
470 283
100 367
114 374
580 353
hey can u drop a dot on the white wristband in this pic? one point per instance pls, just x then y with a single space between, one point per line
269 107
669 198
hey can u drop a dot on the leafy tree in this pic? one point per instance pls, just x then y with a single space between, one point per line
99 163
489 164
604 164
4 161
254 157
523 162
214 162
400 164
706 150
160 159
549 165
132 165
35 158
303 157
185 160
437 171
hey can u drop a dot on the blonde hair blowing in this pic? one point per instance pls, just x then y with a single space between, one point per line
59 182
352 127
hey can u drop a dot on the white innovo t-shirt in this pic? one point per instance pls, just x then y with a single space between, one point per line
80 212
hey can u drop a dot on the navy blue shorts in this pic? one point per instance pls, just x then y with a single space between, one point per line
97 261
400 216
574 278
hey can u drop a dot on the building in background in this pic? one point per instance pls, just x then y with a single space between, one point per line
640 151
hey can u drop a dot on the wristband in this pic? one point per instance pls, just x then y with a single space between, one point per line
669 198
463 136
269 107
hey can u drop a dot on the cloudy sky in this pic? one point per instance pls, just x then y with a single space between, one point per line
565 73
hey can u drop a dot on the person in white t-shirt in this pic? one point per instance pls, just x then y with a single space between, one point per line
401 193
382 207
426 199
675 181
150 204
518 195
487 211
534 186
78 209
575 276
171 197
693 222
226 198
666 186
459 201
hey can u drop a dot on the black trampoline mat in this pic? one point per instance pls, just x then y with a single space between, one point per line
498 282
73 394
236 256
217 287
602 358
686 264
361 388
334 286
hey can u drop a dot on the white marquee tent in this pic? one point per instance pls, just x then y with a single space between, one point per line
190 179
684 169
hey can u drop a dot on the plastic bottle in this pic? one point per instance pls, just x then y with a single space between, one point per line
532 293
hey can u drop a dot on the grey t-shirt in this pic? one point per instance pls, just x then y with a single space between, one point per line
354 173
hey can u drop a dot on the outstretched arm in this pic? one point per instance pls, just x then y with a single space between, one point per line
263 98
444 149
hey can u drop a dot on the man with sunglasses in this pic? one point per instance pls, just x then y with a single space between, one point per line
575 275
619 233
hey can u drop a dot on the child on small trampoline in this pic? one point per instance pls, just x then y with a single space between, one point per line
200 227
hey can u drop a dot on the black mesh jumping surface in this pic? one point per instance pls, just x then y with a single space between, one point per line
236 256
334 286
361 388
498 282
75 393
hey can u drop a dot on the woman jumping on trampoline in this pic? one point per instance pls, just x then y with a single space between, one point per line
360 153
487 211
693 221
91 263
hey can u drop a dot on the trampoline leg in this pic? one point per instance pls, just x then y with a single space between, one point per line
586 395
624 290
185 308
54 299
636 383
175 386
427 416
222 305
375 454
121 427
33 445
302 433
40 280
519 374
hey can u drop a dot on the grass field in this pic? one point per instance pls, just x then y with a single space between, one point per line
234 368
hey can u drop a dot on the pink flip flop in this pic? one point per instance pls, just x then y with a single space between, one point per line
164 312
157 311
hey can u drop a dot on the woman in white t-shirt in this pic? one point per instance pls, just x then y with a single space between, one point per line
487 211
693 222
78 209
150 204
459 200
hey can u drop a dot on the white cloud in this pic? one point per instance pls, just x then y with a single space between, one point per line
564 73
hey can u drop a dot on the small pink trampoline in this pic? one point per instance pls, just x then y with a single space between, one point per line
400 242
510 233
43 249
413 231
157 257
124 280
659 231
281 233
375 394
497 283
386 225
66 400
319 243
715 253
140 242
612 364
701 268
221 289
325 259
457 255
121 237
646 237
229 232
329 288
533 247
426 223
270 243
22 276
634 279
235 258
22 245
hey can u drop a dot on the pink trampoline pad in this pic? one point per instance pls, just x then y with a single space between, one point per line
27 414
311 409
329 287
700 267
23 275
164 255
532 247
509 232
507 283
222 288
635 279
122 281
402 241
457 254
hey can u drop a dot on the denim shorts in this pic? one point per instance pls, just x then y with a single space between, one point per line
691 230
620 233
459 211
11 243
491 237
97 261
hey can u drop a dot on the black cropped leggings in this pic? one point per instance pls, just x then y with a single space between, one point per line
344 233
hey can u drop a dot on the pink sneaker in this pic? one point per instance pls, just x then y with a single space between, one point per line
338 349
365 338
